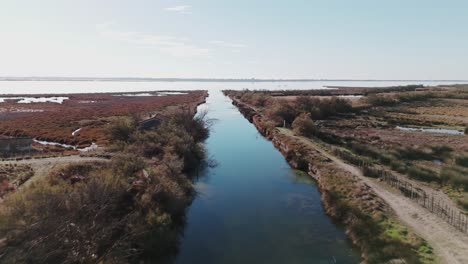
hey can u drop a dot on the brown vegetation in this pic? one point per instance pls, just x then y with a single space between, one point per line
127 210
90 112
12 176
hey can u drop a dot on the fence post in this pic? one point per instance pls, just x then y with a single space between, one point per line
432 206
466 223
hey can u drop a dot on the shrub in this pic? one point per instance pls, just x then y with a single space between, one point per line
409 153
455 176
299 158
439 152
462 160
423 174
322 108
304 126
196 126
122 129
381 100
281 111
306 104
463 202
127 164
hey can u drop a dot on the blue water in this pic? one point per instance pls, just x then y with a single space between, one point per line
252 207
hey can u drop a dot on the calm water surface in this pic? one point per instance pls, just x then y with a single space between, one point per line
61 87
252 207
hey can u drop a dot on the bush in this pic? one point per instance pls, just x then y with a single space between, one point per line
423 174
127 164
455 176
303 125
463 202
440 152
381 100
322 108
306 104
282 111
196 126
122 129
462 160
414 154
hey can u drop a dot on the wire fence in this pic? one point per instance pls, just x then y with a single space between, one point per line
435 205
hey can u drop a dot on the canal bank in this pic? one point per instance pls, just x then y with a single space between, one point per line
252 207
348 197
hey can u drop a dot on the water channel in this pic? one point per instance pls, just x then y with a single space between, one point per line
252 207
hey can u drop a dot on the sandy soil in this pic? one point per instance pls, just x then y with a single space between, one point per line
450 245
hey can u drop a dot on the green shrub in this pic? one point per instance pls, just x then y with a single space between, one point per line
423 174
462 160
463 202
122 129
455 176
439 152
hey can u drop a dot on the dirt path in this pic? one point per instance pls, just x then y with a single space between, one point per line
449 244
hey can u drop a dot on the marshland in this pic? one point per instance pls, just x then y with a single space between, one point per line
219 132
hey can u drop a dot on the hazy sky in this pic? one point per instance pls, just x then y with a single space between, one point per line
407 39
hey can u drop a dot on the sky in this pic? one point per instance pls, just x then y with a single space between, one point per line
359 39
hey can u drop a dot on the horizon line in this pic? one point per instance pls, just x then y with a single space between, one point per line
198 79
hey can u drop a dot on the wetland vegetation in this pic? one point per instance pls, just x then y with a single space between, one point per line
128 208
366 128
